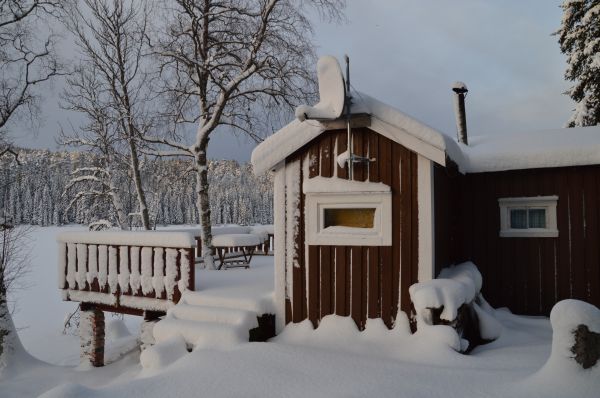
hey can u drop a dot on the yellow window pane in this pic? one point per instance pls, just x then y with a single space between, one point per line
357 218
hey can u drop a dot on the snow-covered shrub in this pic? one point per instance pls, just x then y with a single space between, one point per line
454 299
575 335
573 368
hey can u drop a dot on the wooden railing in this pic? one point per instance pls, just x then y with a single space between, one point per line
127 272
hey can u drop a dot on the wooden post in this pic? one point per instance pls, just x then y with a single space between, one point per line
91 334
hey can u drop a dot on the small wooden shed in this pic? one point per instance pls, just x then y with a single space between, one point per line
351 247
353 230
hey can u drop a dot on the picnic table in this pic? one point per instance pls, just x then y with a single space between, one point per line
235 250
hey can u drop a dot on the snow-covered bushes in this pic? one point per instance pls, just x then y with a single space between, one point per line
575 336
454 299
573 367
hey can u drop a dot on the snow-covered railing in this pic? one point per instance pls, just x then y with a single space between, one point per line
128 272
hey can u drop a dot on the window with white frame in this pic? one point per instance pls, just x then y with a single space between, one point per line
349 218
528 217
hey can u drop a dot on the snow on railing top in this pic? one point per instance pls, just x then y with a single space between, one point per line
178 239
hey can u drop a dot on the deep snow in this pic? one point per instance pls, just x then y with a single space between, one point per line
334 360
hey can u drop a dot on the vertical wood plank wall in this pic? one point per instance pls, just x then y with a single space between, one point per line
528 275
358 281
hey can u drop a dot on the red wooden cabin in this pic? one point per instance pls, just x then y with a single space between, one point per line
523 207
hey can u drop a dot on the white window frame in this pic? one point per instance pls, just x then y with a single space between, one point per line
548 203
379 235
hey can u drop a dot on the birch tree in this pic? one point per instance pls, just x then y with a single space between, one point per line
226 64
110 36
26 62
96 184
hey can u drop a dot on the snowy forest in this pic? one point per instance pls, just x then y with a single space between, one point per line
39 190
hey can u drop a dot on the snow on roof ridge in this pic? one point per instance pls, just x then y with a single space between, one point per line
297 134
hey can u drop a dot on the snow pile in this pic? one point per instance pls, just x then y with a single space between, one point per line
562 374
455 286
332 92
236 240
342 159
456 289
206 327
262 231
340 185
163 354
566 317
341 333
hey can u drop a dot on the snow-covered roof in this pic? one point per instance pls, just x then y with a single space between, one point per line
511 151
578 146
385 119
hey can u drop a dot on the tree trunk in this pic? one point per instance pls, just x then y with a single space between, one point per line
135 169
116 200
9 340
203 204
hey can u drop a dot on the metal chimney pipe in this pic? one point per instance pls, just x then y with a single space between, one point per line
460 92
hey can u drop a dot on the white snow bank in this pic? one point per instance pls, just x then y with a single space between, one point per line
489 327
341 333
234 240
340 185
131 238
164 353
455 286
245 319
467 274
331 92
437 293
561 374
200 334
565 317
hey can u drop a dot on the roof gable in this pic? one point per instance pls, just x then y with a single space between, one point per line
385 120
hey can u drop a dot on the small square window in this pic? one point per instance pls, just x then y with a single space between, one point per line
528 217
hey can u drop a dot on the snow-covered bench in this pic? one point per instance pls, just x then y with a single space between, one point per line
128 272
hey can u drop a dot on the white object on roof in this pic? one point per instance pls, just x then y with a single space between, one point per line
386 120
233 240
130 238
331 92
340 185
459 85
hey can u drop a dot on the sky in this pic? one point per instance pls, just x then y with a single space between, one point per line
408 53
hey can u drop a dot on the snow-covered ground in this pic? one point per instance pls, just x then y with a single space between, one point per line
334 360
